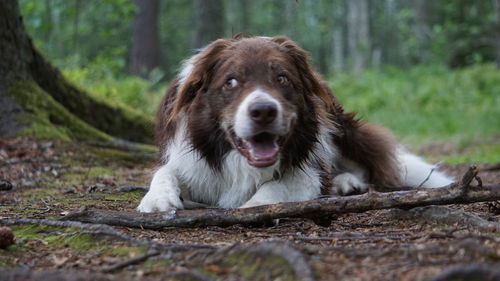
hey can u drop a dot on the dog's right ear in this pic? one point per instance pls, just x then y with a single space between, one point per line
310 79
198 72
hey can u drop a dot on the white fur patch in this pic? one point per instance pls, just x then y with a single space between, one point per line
347 183
163 193
187 69
415 172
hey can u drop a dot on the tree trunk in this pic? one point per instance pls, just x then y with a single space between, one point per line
421 28
35 99
76 24
145 54
338 35
245 15
358 19
496 5
291 19
209 21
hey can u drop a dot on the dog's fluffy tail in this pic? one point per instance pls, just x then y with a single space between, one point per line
415 172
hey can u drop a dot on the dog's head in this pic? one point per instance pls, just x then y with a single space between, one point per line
257 95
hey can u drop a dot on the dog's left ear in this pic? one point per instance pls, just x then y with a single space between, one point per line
309 77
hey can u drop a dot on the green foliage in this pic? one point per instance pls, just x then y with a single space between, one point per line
426 102
104 81
79 29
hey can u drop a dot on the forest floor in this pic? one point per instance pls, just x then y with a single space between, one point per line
50 179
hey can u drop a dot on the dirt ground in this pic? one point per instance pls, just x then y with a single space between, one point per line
50 179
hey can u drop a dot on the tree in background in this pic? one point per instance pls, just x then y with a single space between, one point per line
421 28
359 41
496 5
209 21
338 33
145 50
36 99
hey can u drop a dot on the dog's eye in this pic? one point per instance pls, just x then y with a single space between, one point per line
283 80
231 83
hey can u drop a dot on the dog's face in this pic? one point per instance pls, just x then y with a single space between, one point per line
253 94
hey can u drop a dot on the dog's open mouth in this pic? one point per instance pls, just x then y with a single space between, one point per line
261 150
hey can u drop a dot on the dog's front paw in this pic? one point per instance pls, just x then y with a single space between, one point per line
153 201
347 183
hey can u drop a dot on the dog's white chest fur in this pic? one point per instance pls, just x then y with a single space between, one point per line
233 185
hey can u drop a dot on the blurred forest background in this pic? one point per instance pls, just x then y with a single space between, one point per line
426 69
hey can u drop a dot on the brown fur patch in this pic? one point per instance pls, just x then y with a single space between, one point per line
369 145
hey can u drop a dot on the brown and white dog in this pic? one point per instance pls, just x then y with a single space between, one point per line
247 122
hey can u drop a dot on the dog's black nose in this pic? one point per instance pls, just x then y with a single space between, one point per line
263 113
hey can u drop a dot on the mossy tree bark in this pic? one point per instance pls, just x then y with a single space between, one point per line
34 95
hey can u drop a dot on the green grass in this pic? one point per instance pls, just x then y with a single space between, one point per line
426 102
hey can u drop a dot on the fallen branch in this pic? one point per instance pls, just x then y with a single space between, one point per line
456 193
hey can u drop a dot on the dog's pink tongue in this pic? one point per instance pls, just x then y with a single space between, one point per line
264 150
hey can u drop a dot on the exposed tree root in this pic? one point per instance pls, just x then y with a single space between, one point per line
132 261
470 272
445 215
457 193
26 274
281 248
102 229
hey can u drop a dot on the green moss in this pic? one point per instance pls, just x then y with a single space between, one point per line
47 119
38 193
75 241
36 231
147 148
125 251
135 195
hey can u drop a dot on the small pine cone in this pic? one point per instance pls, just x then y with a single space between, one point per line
6 237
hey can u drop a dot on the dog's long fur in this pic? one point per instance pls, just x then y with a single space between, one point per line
218 148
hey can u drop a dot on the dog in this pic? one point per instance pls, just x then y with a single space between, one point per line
248 122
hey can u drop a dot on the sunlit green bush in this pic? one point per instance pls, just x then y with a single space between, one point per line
101 79
426 102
